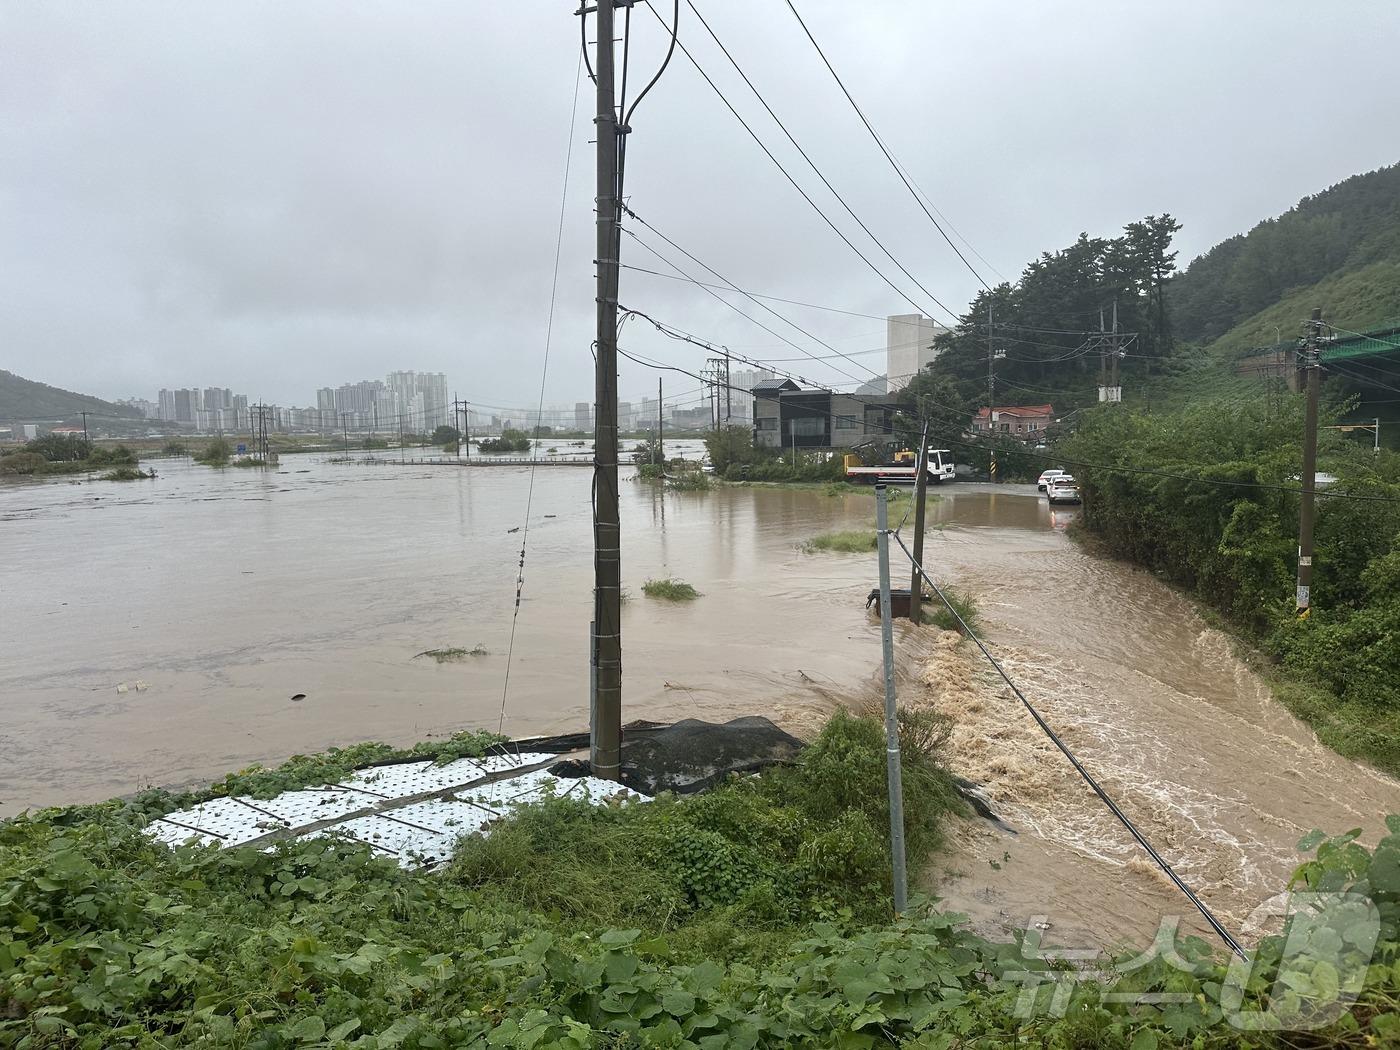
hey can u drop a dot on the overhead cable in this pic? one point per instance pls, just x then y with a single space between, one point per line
797 186
1104 797
810 162
880 142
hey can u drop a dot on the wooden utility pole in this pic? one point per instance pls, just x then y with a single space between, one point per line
606 729
1312 367
920 497
991 406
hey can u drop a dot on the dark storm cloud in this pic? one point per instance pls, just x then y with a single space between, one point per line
279 196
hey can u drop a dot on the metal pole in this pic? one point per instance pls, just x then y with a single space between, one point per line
892 766
607 563
916 607
1312 367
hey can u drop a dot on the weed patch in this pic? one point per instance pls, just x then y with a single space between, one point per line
670 590
128 474
850 541
454 655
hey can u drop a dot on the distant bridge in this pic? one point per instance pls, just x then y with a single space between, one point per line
1282 361
501 461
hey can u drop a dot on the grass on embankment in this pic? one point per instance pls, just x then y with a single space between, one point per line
756 914
670 590
936 612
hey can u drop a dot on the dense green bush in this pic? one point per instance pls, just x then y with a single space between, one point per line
510 441
116 456
60 448
22 463
215 453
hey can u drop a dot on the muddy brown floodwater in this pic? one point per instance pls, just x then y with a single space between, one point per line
158 632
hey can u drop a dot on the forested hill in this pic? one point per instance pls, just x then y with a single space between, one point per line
24 399
1351 227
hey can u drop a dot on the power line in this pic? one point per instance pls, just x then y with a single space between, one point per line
800 349
880 142
810 162
805 195
544 373
772 298
1142 840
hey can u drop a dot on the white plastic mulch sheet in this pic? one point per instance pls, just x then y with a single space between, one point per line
412 811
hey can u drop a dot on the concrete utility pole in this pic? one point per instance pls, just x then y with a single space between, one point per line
345 432
1312 367
920 498
893 772
606 730
728 405
1116 384
660 422
991 405
85 432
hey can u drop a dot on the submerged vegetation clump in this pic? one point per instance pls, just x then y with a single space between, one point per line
670 590
689 481
215 453
849 541
453 655
128 474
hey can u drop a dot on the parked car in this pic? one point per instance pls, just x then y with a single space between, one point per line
1044 480
1062 489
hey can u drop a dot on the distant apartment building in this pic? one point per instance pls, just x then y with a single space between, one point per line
1026 423
583 415
626 417
420 398
740 404
148 409
909 348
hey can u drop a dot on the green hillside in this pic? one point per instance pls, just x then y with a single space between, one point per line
24 399
1354 299
1343 230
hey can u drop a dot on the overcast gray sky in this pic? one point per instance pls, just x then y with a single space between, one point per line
280 196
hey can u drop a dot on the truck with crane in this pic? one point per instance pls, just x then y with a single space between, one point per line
873 463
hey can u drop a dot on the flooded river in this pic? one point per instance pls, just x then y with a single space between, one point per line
158 632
